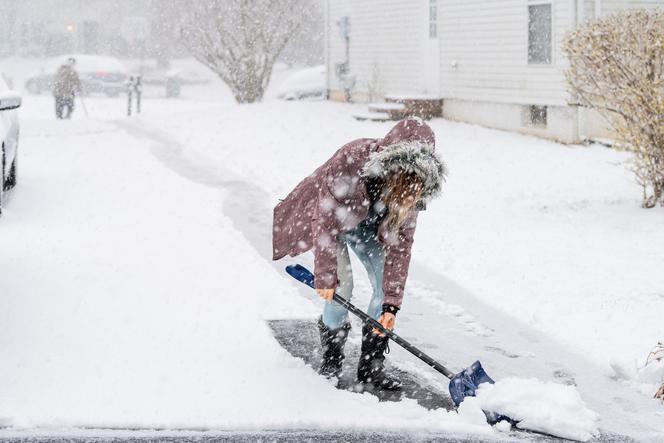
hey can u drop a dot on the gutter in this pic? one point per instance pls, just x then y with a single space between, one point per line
327 36
579 18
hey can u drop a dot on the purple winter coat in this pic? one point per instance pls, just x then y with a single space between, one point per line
334 200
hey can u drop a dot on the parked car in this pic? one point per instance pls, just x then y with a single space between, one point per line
158 76
9 102
307 83
98 74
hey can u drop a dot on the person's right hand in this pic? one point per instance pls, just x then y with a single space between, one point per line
326 294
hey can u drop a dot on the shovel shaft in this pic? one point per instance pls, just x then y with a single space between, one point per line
394 337
303 275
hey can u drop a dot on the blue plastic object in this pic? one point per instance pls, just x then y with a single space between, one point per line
466 382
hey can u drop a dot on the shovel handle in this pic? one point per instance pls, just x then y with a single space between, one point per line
303 275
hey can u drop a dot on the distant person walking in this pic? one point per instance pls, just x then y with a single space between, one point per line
65 87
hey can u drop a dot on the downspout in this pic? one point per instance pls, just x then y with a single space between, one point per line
576 12
327 36
598 8
579 18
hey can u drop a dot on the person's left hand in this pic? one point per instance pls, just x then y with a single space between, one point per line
387 320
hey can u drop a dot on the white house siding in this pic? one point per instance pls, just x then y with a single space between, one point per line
484 73
385 40
609 6
484 53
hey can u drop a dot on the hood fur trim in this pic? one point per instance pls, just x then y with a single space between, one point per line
413 157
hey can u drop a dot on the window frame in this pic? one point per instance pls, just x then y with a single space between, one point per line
532 111
552 4
433 19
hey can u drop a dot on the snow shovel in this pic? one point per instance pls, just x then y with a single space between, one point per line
462 385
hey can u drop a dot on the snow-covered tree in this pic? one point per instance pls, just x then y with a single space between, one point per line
617 68
240 40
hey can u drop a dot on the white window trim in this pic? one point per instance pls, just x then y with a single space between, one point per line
435 20
553 33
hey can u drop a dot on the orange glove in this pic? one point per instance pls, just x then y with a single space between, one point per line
326 294
386 320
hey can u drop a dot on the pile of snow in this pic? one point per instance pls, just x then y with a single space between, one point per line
546 407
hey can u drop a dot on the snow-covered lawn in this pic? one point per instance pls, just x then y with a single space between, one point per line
131 298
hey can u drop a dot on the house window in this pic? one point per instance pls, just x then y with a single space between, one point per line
536 116
433 18
539 33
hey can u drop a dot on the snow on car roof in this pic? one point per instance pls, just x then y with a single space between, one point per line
304 79
86 62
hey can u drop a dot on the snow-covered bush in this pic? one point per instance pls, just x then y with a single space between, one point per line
240 40
617 68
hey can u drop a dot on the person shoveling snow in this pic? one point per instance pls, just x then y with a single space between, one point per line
366 197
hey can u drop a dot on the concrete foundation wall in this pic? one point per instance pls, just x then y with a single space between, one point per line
594 125
561 120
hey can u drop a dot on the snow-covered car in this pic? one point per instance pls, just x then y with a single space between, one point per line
183 76
307 83
98 74
9 102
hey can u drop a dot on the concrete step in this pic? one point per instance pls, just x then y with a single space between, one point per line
420 105
387 107
400 98
372 116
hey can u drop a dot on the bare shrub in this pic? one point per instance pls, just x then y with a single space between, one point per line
656 356
240 40
617 68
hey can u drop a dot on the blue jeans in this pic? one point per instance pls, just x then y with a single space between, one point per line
369 250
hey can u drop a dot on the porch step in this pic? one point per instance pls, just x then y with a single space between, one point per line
398 106
372 116
386 107
420 105
400 98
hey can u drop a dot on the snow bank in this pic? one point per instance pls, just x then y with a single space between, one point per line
539 406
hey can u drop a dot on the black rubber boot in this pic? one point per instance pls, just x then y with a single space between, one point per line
370 369
332 343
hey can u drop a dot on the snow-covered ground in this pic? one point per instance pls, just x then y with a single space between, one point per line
136 275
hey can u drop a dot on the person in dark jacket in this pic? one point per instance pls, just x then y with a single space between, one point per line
65 87
366 197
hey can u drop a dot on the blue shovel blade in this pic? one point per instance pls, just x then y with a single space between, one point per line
466 382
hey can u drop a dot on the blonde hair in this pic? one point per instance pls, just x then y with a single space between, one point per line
400 193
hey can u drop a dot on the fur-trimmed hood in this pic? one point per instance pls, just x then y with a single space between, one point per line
335 199
409 147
